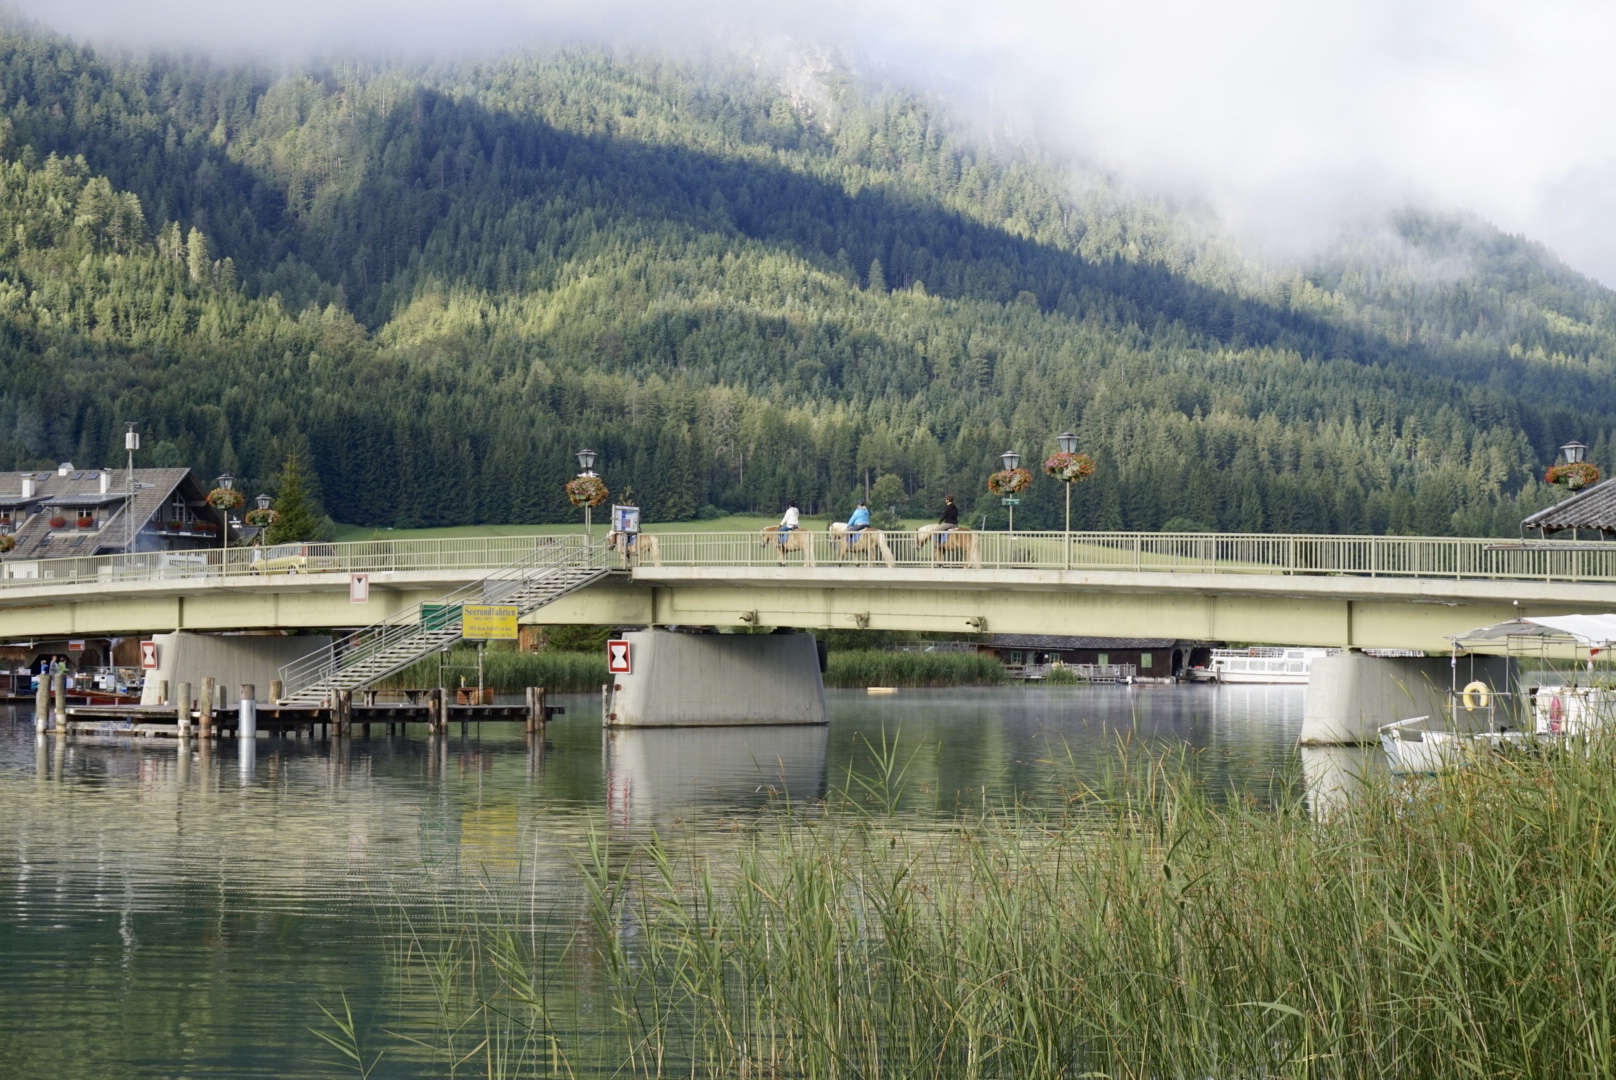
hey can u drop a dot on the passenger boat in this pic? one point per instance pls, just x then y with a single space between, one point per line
1263 664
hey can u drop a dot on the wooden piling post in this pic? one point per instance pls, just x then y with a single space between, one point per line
59 692
42 702
277 689
162 691
535 709
204 709
182 710
369 700
437 711
341 713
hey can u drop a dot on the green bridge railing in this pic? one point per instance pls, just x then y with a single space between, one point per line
1202 553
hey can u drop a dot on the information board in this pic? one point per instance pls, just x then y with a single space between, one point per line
488 622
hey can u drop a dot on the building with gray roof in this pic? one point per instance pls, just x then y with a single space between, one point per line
71 512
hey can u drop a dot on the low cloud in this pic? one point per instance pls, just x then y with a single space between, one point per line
1290 119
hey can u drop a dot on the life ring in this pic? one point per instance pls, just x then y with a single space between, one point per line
1477 695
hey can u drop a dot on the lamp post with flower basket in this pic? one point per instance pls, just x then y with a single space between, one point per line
224 499
1574 472
586 489
1010 482
261 517
1069 467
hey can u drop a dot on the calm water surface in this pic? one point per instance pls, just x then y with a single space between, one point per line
166 914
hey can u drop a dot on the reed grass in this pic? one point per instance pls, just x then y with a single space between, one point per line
1457 926
861 668
507 671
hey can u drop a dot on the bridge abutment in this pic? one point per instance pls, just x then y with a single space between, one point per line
1350 694
715 680
230 659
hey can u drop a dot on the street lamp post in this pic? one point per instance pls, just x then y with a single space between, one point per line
1573 451
227 482
586 465
1068 445
1011 460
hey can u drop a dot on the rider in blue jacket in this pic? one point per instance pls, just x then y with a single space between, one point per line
857 522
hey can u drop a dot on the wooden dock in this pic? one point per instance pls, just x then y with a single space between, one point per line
437 709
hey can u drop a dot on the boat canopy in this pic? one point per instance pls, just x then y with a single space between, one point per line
1594 632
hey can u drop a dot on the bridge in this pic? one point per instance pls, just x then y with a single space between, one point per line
1350 591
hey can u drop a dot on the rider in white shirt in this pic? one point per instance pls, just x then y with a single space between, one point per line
789 522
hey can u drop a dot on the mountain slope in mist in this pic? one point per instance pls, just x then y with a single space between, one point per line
740 285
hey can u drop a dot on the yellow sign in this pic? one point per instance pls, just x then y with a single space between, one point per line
488 622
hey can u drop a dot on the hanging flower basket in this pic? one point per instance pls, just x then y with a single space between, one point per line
1009 481
587 491
57 522
1575 475
7 542
1069 468
176 525
261 519
225 498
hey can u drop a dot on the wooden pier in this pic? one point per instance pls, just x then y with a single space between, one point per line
343 717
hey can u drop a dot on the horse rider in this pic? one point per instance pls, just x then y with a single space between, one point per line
857 522
949 520
788 524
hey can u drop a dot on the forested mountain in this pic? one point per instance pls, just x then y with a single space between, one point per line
739 284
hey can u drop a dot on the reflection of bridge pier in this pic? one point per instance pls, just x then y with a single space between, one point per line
657 774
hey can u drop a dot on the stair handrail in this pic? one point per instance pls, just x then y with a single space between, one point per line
325 663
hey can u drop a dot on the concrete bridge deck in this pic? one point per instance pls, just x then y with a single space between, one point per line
1386 592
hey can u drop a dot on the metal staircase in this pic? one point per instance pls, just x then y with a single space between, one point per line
371 654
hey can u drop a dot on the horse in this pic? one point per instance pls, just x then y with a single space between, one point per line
796 540
634 547
960 543
867 544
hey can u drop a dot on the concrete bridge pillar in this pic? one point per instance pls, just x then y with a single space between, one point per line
708 680
1350 694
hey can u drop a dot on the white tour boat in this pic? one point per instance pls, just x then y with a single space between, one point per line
1263 664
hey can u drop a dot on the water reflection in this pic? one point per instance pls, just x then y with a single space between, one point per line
657 775
1334 774
170 909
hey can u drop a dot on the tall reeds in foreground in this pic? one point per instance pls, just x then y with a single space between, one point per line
1458 926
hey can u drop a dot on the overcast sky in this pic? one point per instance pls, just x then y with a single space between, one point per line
1289 117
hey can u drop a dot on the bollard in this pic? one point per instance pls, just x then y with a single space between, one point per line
535 709
162 691
42 703
59 692
182 710
437 711
277 689
247 719
204 710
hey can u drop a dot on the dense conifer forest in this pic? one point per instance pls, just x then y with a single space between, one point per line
739 283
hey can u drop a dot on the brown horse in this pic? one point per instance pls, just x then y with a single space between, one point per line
960 543
868 543
796 540
641 548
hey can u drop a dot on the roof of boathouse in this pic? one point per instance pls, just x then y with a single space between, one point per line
1594 508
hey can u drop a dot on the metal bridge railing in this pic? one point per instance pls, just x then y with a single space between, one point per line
1453 558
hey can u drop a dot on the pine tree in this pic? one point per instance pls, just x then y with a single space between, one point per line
299 519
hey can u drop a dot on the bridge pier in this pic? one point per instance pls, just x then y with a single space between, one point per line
711 680
1350 694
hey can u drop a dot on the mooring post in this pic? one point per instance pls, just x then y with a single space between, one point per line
204 710
59 692
535 709
437 711
162 691
42 702
247 718
277 689
341 713
182 710
370 703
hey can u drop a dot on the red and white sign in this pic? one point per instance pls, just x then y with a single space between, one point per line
617 658
148 655
358 588
75 645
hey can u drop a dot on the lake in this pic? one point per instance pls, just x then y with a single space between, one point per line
166 914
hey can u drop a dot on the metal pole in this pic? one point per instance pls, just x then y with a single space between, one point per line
1068 524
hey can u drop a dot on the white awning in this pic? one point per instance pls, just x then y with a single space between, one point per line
1589 631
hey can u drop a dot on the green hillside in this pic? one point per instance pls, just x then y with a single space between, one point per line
439 281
